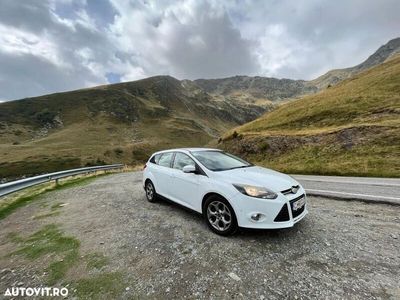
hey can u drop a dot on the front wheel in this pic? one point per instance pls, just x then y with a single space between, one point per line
150 191
220 216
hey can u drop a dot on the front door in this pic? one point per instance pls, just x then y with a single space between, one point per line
185 188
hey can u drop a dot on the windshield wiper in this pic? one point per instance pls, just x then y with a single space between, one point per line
238 167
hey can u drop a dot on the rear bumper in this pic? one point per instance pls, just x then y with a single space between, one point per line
245 207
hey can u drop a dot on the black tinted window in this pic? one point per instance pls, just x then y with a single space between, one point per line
182 160
165 159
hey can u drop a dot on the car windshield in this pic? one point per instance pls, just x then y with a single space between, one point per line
220 161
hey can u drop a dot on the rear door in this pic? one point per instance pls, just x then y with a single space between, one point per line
162 174
185 187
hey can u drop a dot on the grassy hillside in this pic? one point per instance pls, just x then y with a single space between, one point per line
115 123
352 128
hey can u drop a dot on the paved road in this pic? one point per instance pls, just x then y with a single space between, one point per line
384 190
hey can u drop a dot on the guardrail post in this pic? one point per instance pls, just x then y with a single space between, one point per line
57 182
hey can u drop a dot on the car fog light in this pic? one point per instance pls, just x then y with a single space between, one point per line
256 217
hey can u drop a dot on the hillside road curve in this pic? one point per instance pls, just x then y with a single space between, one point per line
368 189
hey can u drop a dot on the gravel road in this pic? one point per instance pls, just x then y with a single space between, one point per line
341 250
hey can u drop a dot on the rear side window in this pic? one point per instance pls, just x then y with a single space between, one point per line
165 159
182 160
155 159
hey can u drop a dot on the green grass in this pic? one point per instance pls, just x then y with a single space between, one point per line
96 260
102 286
319 160
8 208
47 240
62 253
50 240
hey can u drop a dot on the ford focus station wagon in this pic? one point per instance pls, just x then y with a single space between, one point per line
228 191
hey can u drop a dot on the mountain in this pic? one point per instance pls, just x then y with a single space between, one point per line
125 122
352 128
113 123
256 87
333 77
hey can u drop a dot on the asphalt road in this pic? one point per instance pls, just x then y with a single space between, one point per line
383 190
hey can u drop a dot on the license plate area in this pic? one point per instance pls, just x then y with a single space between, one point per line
298 204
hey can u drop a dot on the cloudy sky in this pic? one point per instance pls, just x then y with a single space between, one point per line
57 45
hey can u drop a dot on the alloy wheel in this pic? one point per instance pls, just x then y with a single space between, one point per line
149 191
219 215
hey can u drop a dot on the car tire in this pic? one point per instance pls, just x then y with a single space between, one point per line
150 190
220 216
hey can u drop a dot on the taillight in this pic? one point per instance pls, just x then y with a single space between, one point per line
144 167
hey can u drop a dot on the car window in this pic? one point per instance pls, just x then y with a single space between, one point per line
182 160
155 158
165 159
220 161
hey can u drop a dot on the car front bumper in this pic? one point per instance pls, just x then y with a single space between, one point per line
276 213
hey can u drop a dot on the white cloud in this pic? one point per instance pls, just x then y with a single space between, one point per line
48 45
19 42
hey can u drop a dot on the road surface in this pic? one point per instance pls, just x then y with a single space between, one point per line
383 190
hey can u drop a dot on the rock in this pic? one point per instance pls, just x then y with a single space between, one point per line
234 276
101 243
167 290
20 283
394 236
6 270
127 288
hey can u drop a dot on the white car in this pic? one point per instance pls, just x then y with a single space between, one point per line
228 191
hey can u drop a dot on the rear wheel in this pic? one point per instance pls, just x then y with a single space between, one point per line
150 191
220 216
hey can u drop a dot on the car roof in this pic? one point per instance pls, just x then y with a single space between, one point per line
187 150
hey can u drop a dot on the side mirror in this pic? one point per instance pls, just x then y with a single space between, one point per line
189 169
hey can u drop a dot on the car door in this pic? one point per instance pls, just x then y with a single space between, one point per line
163 174
185 187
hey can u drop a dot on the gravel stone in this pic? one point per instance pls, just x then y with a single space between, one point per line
341 250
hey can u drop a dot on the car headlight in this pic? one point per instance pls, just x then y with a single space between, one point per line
255 191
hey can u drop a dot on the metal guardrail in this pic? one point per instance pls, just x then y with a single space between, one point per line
14 186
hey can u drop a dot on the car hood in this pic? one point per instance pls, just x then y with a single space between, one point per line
259 176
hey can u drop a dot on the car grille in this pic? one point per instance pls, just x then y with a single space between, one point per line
283 215
289 191
298 212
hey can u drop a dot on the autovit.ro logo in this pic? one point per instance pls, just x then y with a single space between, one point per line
36 291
